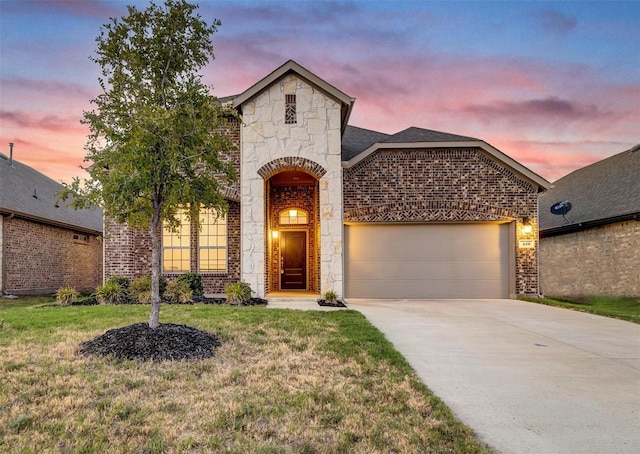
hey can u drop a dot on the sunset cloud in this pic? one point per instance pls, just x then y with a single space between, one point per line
554 21
554 87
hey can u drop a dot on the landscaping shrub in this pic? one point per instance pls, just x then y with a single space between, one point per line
112 292
330 296
238 293
194 281
178 292
122 281
140 288
66 296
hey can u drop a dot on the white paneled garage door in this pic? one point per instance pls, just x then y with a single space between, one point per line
427 261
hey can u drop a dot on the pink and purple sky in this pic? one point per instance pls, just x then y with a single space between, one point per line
555 85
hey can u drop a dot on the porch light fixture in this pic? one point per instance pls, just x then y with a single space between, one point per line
274 234
526 226
293 213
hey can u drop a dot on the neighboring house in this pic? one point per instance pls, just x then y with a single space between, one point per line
321 205
595 248
43 245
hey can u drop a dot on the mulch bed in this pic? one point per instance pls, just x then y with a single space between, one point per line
251 302
336 303
168 342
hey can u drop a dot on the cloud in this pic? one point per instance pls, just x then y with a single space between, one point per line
551 108
79 8
47 122
555 22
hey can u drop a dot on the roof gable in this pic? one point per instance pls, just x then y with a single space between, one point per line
292 67
360 145
607 189
27 193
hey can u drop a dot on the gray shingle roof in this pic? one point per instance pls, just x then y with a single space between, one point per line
356 140
18 185
414 134
607 189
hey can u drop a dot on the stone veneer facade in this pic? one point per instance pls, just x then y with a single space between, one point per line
444 185
599 260
269 145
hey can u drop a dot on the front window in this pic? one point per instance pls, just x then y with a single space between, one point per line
176 246
210 251
212 243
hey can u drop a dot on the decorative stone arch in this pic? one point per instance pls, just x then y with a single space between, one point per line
432 210
291 163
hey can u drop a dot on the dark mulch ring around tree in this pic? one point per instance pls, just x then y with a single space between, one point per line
168 342
336 303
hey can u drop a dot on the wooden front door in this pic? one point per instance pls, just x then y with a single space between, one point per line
293 265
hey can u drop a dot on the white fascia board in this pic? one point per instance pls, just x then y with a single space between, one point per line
492 151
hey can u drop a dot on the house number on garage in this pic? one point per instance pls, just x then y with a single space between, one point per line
526 244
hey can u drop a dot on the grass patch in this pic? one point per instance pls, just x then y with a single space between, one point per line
283 382
623 307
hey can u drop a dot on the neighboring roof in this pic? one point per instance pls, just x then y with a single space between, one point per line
357 145
604 192
289 67
27 193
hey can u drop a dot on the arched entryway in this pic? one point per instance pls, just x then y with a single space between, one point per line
293 232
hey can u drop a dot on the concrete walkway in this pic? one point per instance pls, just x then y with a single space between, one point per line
527 378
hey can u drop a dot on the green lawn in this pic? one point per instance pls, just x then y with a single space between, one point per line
283 382
625 308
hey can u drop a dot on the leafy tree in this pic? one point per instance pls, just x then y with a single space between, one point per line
157 140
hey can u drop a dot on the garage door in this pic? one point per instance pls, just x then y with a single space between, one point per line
427 261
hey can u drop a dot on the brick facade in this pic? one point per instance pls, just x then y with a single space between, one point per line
596 261
40 258
444 185
128 253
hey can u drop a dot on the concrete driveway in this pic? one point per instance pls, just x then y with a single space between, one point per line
527 378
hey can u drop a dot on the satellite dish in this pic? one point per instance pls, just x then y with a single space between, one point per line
561 208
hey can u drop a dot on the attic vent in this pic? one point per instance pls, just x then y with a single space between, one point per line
290 116
80 238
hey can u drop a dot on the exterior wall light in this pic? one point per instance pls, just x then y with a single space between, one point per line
274 234
527 228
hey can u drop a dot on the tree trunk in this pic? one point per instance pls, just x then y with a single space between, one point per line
155 271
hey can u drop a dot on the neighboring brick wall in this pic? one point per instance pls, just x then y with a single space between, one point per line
602 260
128 253
443 185
40 258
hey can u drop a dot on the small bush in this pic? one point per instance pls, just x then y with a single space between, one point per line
178 292
238 293
112 292
140 288
194 281
330 296
66 296
122 281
